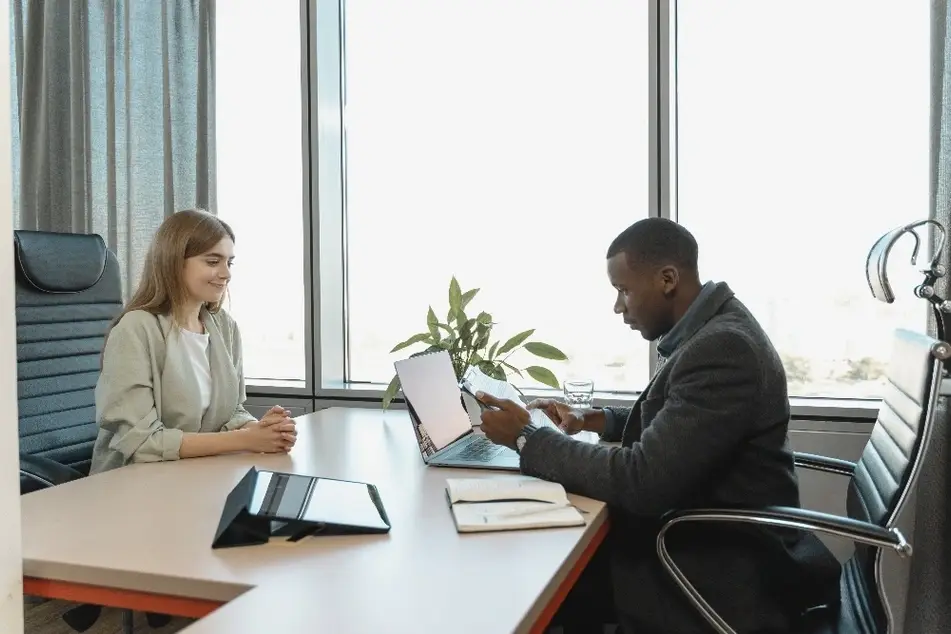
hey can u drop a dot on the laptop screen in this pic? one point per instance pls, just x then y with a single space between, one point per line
432 394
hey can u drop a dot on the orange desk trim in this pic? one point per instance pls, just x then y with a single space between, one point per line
541 624
114 598
198 608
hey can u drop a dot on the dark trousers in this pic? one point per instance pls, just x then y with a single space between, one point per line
590 603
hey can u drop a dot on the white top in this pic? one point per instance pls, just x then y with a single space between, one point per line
196 346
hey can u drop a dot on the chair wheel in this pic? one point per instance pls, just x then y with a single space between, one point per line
156 621
82 617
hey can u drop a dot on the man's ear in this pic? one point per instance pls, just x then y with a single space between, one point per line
669 277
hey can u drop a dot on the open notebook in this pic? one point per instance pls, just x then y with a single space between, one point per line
501 504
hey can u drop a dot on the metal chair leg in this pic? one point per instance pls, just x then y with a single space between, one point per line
128 624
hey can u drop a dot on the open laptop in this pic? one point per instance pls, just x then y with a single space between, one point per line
442 425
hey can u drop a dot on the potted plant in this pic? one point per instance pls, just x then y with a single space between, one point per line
468 342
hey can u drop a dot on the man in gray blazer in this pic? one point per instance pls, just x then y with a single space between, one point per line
709 430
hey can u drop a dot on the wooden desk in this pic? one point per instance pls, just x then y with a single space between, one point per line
140 537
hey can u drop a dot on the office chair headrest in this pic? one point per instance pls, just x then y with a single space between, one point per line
60 262
876 265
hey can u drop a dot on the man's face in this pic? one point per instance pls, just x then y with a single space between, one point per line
642 295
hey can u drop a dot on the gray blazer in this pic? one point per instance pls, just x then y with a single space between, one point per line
147 395
710 430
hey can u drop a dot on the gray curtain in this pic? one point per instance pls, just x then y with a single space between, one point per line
928 609
113 117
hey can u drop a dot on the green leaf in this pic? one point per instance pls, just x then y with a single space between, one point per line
492 350
512 343
433 348
391 391
492 369
423 336
449 329
465 342
513 369
542 375
455 295
484 318
545 351
433 324
467 297
482 339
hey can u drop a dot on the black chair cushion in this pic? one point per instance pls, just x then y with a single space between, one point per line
60 262
68 291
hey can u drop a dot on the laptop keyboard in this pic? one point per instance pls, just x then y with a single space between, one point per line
479 450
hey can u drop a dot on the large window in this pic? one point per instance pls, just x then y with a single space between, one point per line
802 137
504 142
258 126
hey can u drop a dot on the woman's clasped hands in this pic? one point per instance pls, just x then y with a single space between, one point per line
276 432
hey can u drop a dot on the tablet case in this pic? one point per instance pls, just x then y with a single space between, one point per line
239 527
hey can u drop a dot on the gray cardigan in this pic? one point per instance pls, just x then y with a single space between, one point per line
710 430
147 395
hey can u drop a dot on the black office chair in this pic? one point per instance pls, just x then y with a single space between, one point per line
880 482
68 291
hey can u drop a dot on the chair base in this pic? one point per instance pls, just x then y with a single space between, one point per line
157 621
82 617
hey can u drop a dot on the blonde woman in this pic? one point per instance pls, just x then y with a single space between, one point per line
172 384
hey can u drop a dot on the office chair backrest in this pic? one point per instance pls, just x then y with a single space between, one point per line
68 290
889 466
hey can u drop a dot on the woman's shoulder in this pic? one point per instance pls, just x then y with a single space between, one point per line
225 322
141 321
135 330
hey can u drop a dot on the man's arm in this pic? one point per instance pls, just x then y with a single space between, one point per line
708 412
608 422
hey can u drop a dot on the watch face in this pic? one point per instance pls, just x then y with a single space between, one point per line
520 442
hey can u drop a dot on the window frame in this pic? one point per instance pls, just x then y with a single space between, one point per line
323 90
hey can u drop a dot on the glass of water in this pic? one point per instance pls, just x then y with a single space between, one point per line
579 393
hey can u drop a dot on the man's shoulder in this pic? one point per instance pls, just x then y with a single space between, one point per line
733 331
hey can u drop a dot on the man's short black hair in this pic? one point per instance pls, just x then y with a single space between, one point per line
657 242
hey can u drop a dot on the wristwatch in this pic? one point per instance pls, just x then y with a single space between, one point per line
522 437
520 441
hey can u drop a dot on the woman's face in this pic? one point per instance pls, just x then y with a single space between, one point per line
207 275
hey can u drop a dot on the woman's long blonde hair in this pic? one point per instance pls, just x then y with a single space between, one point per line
183 235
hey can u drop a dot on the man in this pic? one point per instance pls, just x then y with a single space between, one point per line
709 430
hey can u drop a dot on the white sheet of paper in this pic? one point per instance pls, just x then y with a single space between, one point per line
479 381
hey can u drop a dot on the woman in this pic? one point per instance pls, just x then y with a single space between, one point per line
172 384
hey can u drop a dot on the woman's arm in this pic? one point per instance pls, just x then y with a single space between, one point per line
196 445
241 416
125 403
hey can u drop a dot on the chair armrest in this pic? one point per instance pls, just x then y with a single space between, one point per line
824 463
43 473
778 516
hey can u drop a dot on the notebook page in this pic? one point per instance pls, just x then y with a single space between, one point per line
498 516
489 489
